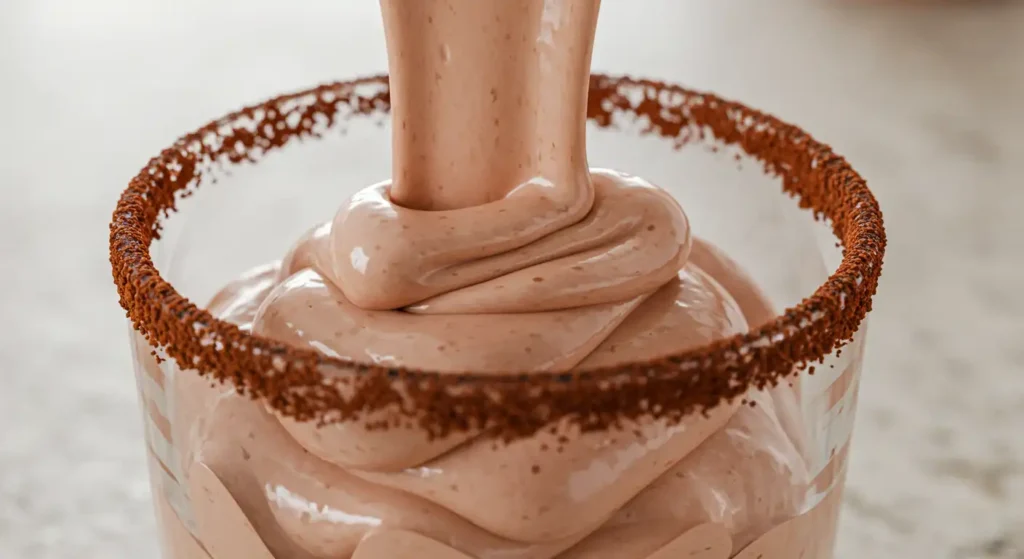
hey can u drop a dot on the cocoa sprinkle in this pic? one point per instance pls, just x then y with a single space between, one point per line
308 386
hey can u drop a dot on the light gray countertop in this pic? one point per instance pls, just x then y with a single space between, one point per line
927 101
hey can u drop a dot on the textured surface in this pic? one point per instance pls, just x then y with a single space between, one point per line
926 101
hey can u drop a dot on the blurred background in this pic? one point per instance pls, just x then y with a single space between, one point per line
925 98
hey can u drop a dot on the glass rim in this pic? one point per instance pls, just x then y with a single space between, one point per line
305 385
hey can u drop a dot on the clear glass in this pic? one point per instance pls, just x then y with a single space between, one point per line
254 214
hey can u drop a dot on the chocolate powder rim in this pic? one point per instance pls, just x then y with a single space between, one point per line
307 386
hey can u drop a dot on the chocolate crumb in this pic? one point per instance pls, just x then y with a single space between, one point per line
309 386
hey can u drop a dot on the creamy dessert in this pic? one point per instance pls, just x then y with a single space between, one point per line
494 248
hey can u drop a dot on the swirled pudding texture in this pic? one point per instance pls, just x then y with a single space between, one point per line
494 248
